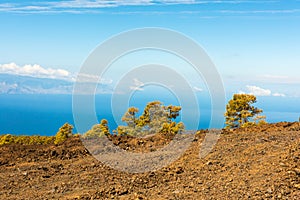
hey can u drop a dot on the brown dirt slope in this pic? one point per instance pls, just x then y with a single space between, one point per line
253 163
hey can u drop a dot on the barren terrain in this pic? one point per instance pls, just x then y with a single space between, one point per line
252 163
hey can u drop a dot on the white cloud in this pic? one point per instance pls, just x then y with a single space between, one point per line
258 91
91 6
136 88
102 3
6 5
197 89
38 71
57 81
278 94
137 85
77 6
34 71
89 78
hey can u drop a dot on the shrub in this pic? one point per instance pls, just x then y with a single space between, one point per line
63 133
172 128
6 139
25 140
98 130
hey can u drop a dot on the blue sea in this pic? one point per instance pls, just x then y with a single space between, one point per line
30 114
44 114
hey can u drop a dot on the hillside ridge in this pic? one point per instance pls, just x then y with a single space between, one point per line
246 163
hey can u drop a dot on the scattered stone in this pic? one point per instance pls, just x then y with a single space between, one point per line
297 186
176 192
209 163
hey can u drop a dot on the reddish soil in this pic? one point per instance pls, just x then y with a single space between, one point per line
252 163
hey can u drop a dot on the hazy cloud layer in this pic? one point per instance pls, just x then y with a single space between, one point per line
278 79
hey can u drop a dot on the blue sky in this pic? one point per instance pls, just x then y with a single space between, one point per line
255 44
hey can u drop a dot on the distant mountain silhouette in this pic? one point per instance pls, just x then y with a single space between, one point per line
16 84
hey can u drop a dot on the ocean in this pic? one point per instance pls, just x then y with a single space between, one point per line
44 114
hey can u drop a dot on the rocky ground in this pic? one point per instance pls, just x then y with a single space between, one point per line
252 163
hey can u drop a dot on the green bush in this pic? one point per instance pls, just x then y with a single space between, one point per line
25 140
6 139
98 130
63 133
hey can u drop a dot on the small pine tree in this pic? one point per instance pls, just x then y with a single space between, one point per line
241 113
149 113
130 118
154 119
173 111
104 127
63 133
